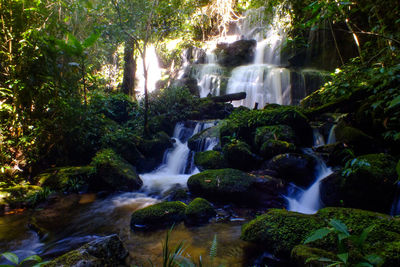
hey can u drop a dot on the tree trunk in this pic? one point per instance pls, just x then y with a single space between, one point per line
229 97
128 83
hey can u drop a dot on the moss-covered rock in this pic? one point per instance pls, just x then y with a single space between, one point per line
367 182
113 173
273 148
224 183
275 132
153 150
104 251
357 139
210 160
243 123
199 211
280 231
66 179
297 168
159 215
198 141
238 155
303 255
17 196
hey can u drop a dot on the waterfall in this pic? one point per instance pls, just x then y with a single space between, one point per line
308 201
209 79
395 210
318 138
177 165
332 136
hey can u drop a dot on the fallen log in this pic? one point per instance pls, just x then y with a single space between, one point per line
229 97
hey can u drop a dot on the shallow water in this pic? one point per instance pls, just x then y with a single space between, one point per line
83 221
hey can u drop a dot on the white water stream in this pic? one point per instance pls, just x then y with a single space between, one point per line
178 164
308 201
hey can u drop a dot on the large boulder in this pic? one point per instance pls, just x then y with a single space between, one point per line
242 123
273 148
113 173
367 182
238 53
297 168
274 132
281 231
238 155
355 138
153 149
159 215
209 160
199 211
237 186
104 251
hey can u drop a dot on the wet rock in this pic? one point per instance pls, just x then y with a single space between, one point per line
273 148
209 160
153 149
281 231
238 155
176 193
275 132
238 53
236 186
199 211
367 182
199 141
190 84
104 251
355 138
159 215
113 173
297 168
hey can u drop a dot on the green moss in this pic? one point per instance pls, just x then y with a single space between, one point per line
369 182
243 123
199 210
209 160
275 132
391 254
280 231
238 155
17 195
70 259
272 148
222 184
61 179
301 254
159 215
113 172
354 137
386 228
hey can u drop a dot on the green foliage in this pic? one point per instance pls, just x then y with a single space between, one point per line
343 235
32 261
39 196
352 165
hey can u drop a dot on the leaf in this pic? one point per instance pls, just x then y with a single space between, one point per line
318 234
32 258
343 257
364 235
339 226
11 257
374 259
395 102
91 39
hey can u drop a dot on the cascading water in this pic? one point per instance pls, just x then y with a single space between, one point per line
332 136
177 165
308 201
319 139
